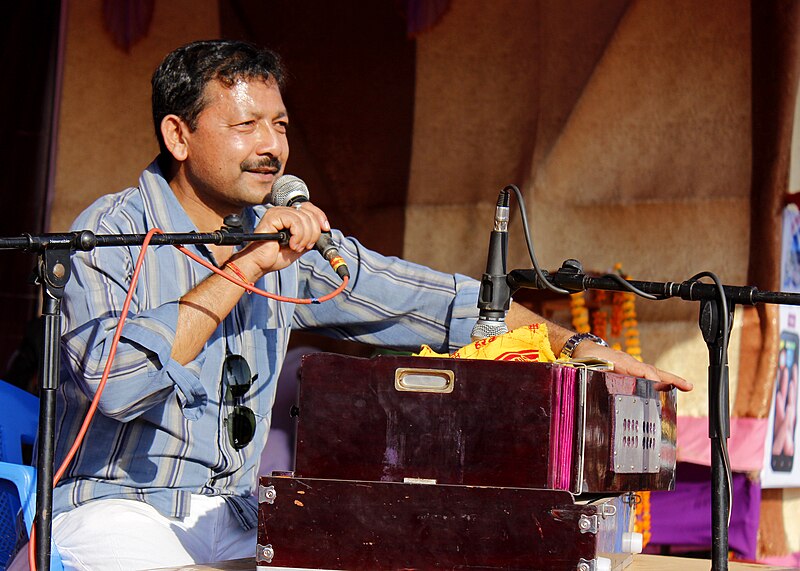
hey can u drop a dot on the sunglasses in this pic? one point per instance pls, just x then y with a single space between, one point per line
241 422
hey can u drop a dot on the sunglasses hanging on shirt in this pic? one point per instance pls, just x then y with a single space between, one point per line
237 378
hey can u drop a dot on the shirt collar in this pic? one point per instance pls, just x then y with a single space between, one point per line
162 209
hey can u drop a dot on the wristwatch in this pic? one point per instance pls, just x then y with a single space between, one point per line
575 340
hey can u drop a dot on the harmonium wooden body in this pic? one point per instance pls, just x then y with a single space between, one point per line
427 463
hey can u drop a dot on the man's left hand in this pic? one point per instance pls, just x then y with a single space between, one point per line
627 365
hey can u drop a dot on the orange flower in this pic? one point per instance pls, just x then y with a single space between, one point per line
580 313
599 323
642 513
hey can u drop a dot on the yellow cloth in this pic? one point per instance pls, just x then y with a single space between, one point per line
527 343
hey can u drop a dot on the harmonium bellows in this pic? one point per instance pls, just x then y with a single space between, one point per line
429 463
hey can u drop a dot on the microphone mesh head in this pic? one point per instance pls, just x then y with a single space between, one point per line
287 190
485 328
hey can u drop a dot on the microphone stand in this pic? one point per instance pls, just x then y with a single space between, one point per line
571 277
53 272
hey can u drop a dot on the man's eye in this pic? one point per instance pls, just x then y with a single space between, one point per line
282 126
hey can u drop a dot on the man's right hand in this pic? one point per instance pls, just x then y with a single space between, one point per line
305 224
204 307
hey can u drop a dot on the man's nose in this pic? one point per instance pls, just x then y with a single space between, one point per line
270 142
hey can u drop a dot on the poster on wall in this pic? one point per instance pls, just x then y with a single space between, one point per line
781 458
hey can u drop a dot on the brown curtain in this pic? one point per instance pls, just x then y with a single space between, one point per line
775 75
774 80
351 105
29 32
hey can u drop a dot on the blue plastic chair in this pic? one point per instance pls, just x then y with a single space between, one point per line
18 424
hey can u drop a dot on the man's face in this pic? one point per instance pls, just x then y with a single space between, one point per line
239 146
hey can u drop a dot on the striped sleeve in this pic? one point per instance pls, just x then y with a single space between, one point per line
143 373
389 302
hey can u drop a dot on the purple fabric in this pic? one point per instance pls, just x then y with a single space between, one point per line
128 21
683 517
423 15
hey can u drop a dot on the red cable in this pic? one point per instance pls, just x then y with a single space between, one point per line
254 289
113 351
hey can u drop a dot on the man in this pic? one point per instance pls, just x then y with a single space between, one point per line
166 473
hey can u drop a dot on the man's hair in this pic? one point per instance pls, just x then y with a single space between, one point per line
179 82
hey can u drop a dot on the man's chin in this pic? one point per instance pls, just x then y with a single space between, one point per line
261 191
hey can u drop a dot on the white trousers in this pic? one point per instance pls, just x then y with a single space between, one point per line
130 535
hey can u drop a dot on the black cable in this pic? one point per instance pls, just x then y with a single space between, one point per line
632 288
721 404
527 233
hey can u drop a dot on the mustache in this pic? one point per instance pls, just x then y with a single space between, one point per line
265 163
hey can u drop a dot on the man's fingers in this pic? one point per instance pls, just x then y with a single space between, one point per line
321 217
302 223
671 380
627 365
663 379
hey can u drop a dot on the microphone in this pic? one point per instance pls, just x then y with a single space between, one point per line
290 190
494 297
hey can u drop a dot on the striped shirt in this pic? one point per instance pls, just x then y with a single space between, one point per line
160 434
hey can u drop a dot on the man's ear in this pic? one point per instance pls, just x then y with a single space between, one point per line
174 131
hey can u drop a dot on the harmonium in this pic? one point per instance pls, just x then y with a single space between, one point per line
435 463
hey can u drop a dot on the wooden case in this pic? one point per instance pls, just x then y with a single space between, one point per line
333 524
483 423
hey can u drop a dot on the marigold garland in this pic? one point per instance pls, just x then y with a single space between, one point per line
580 313
642 514
599 323
631 327
624 325
616 314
